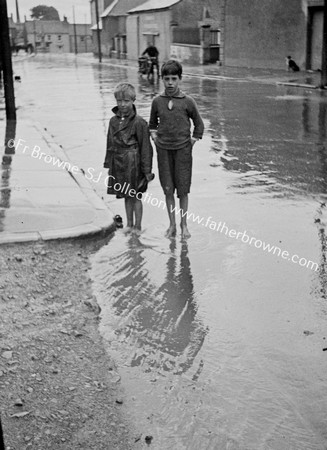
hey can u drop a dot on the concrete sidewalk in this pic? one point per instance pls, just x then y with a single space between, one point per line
42 194
304 79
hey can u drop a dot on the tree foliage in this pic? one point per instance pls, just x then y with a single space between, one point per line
44 12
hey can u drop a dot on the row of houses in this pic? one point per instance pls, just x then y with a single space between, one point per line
243 33
51 36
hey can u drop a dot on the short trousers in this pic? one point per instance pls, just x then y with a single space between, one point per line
175 170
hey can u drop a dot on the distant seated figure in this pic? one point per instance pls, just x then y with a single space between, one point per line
152 52
291 64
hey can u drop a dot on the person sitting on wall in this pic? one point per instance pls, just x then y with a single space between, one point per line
152 52
291 64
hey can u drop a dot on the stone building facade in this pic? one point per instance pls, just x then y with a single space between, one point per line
239 33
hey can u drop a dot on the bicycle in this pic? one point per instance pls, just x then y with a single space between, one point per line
147 64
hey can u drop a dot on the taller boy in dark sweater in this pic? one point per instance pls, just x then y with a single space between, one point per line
170 129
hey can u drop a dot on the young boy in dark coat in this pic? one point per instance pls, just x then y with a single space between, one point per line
129 155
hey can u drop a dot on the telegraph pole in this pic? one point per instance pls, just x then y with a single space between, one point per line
323 81
75 38
34 33
5 54
98 29
17 12
85 33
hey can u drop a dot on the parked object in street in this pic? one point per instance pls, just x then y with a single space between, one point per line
27 47
118 221
146 66
291 64
143 65
152 53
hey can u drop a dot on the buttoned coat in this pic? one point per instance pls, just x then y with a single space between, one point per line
129 153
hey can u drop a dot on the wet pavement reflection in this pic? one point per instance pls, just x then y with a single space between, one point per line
220 343
155 310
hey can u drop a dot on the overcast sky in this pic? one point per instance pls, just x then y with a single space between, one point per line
64 7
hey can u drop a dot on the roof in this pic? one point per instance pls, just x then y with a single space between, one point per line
121 7
82 29
151 5
47 26
109 8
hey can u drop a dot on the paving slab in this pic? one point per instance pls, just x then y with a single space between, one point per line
42 194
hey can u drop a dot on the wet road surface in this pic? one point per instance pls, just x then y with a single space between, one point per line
220 342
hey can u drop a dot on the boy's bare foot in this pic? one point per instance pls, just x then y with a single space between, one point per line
171 232
137 231
185 233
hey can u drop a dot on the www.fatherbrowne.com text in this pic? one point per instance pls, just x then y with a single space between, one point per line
109 180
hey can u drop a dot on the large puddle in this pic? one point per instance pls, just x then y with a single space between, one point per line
218 345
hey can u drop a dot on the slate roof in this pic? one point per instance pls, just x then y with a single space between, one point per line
81 29
121 7
152 5
47 26
107 11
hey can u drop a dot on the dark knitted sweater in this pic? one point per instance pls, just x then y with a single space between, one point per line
174 126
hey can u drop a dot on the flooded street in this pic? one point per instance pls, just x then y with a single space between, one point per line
220 339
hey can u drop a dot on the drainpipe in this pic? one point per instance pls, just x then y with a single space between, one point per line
138 34
323 81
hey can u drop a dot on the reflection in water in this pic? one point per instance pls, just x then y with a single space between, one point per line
322 119
156 317
149 88
5 190
284 159
306 117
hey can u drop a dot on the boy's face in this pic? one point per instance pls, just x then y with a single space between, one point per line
171 83
124 103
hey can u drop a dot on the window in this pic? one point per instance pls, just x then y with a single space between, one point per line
59 37
82 38
49 37
214 37
123 45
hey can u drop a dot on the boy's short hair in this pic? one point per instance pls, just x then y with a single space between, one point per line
171 67
126 89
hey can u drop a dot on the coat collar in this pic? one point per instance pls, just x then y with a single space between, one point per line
125 124
179 94
116 111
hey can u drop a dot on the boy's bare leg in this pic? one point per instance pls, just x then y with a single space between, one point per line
183 203
170 203
138 211
129 208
